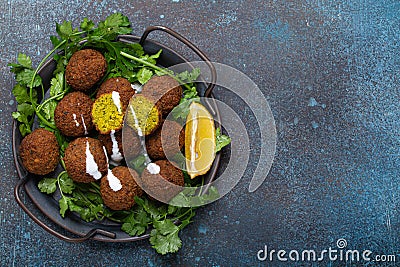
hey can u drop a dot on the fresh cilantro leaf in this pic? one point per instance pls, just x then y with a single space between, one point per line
62 141
48 109
164 237
181 111
112 26
86 24
156 213
57 86
156 55
86 213
136 223
144 75
21 94
55 40
24 129
138 163
63 203
47 185
25 76
62 62
152 59
172 209
221 140
65 30
25 109
23 115
188 197
189 77
24 60
66 183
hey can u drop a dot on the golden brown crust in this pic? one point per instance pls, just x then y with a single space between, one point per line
157 184
122 199
85 68
39 152
161 146
165 91
75 159
117 84
73 114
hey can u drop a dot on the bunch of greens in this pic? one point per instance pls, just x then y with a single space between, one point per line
165 221
126 60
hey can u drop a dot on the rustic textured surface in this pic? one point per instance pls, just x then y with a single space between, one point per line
330 71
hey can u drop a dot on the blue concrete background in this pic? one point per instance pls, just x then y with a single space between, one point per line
330 71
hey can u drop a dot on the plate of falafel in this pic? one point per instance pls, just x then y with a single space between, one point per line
98 135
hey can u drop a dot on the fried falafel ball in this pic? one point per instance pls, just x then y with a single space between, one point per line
157 177
85 68
119 188
85 160
165 91
40 152
117 84
108 113
72 114
143 115
166 141
118 146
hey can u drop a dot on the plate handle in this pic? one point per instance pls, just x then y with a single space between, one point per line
89 235
186 42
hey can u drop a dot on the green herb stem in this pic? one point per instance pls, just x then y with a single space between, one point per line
34 104
148 64
58 182
39 107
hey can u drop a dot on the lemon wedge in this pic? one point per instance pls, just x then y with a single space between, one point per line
199 140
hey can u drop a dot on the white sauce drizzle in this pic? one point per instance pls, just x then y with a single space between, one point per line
137 87
117 101
153 168
113 181
84 125
140 133
116 154
91 165
76 122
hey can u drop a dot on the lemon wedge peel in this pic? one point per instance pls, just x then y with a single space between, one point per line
200 146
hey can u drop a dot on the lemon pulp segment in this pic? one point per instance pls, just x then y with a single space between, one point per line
199 140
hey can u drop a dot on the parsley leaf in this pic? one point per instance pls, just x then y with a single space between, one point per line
136 223
66 183
57 86
65 30
63 203
221 140
189 77
25 76
143 75
24 62
156 213
112 26
188 197
164 237
86 24
138 163
47 185
21 94
48 109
